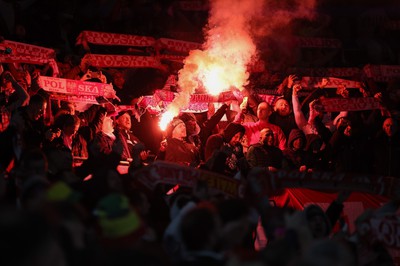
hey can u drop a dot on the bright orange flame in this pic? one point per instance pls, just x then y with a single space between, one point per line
213 80
228 51
167 117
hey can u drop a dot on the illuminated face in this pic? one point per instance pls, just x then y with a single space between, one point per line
124 121
282 107
389 126
71 108
235 139
263 111
108 127
179 132
267 137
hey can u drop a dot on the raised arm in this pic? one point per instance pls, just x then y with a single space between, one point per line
300 119
22 95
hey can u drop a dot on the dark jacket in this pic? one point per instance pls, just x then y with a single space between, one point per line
294 158
182 152
386 155
259 155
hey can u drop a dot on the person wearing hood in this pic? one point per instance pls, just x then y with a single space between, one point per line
264 153
350 151
294 154
224 152
192 128
317 153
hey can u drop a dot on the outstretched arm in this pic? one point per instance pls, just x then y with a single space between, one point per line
299 117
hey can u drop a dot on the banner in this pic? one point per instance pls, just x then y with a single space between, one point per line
123 61
178 46
18 52
170 57
162 172
24 49
380 185
24 59
115 39
105 38
382 73
84 99
171 173
76 87
328 72
313 82
349 104
168 96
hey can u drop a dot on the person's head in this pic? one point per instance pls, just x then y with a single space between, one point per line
296 140
68 123
118 79
317 220
71 124
192 128
176 129
68 106
390 126
264 110
200 228
36 107
235 218
108 126
123 120
267 137
233 133
117 219
6 82
282 107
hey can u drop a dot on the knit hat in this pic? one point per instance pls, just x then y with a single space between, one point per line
172 125
62 192
231 130
117 218
186 117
